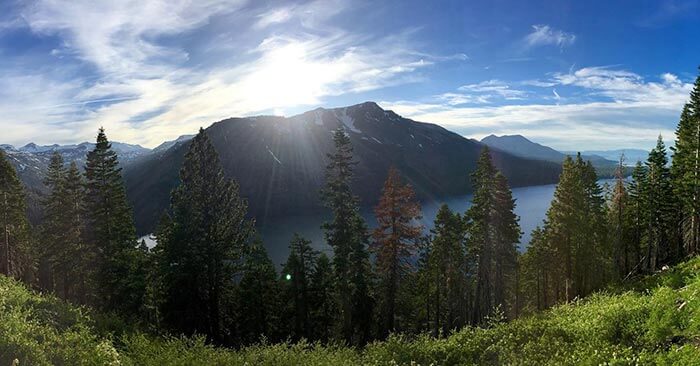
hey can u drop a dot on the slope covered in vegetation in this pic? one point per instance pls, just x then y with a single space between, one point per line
655 320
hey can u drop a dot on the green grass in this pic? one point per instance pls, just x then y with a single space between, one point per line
653 320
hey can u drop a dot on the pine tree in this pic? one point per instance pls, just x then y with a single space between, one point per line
538 267
619 218
322 304
507 236
111 232
493 235
14 244
64 260
575 234
51 227
447 269
297 272
637 216
593 253
76 257
685 170
395 240
258 297
346 233
207 236
661 233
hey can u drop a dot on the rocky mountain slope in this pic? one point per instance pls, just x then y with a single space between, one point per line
279 162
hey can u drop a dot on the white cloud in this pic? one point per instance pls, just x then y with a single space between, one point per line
156 94
632 113
118 36
274 16
626 86
543 35
494 88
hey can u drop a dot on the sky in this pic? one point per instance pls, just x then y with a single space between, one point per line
573 75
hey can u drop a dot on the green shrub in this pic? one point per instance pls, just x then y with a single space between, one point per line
42 330
655 321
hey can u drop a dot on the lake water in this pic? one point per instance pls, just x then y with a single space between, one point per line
531 206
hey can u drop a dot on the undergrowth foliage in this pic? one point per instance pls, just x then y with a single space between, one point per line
653 321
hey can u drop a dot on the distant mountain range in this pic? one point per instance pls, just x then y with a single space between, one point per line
31 162
632 156
279 162
603 160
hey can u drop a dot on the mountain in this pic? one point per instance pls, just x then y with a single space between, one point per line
280 162
520 146
31 162
631 155
168 144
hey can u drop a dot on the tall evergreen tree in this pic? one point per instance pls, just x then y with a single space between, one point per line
593 252
575 234
507 234
258 297
111 231
322 300
64 249
619 220
298 272
64 254
661 234
493 235
685 170
637 216
75 258
14 243
51 227
206 238
346 233
538 266
395 240
447 268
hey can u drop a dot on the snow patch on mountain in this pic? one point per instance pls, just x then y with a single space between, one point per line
348 121
273 155
318 120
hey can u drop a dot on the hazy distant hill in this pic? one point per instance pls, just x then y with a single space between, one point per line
520 146
279 162
631 155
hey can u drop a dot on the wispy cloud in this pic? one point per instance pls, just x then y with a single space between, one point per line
493 88
144 87
544 35
628 111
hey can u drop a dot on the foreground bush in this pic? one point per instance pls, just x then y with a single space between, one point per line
655 321
42 330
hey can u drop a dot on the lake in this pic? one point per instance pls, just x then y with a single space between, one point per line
531 206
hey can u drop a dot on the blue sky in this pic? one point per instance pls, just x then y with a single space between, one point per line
573 75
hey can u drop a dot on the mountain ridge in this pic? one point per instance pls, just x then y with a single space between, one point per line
279 162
